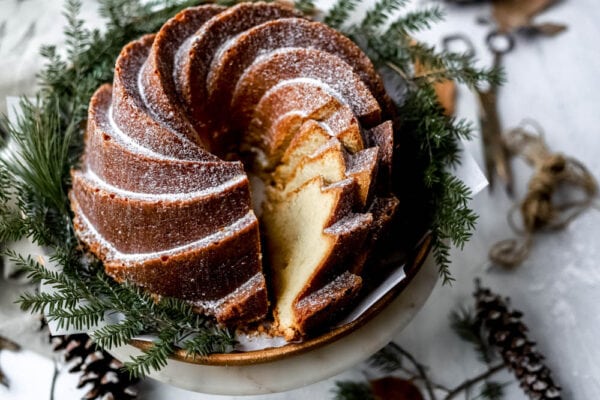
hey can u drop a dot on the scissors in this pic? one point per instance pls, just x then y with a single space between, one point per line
496 155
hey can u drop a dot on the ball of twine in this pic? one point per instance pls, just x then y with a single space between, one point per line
539 210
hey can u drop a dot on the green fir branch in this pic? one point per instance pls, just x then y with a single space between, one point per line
380 13
491 390
438 138
80 317
305 6
339 13
431 135
346 390
416 21
204 343
466 325
154 358
116 335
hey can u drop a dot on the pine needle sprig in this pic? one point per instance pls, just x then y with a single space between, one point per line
11 227
417 21
339 13
347 390
41 163
438 140
83 298
468 327
492 390
307 7
154 358
379 14
201 343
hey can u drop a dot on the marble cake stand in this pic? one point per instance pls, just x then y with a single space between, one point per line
307 367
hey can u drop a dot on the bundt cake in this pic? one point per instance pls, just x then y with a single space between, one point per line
164 201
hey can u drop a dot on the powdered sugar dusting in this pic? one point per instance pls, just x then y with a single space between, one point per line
290 63
211 306
348 224
89 234
132 145
101 184
309 81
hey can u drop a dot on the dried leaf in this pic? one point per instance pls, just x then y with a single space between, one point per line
543 29
395 388
7 344
445 90
446 93
3 380
514 14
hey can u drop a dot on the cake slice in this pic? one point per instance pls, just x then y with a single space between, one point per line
313 151
282 112
308 246
382 136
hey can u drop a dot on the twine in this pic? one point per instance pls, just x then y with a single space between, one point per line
538 210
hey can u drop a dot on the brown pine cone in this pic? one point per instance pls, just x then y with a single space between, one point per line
104 373
507 333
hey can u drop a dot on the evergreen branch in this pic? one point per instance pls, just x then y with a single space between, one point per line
5 184
340 12
154 358
466 325
491 390
41 162
473 381
390 359
416 21
204 343
80 317
47 302
346 390
448 65
12 227
116 335
379 14
307 7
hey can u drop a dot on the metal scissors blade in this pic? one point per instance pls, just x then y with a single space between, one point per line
495 152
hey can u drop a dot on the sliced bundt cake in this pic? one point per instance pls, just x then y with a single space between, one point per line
162 201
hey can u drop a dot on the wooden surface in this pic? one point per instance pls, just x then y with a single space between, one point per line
555 81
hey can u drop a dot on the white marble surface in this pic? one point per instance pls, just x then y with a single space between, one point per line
554 81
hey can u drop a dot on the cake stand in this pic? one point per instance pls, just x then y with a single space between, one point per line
295 365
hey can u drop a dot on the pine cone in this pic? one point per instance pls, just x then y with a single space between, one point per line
507 333
98 367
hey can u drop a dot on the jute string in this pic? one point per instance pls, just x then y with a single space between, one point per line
539 210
